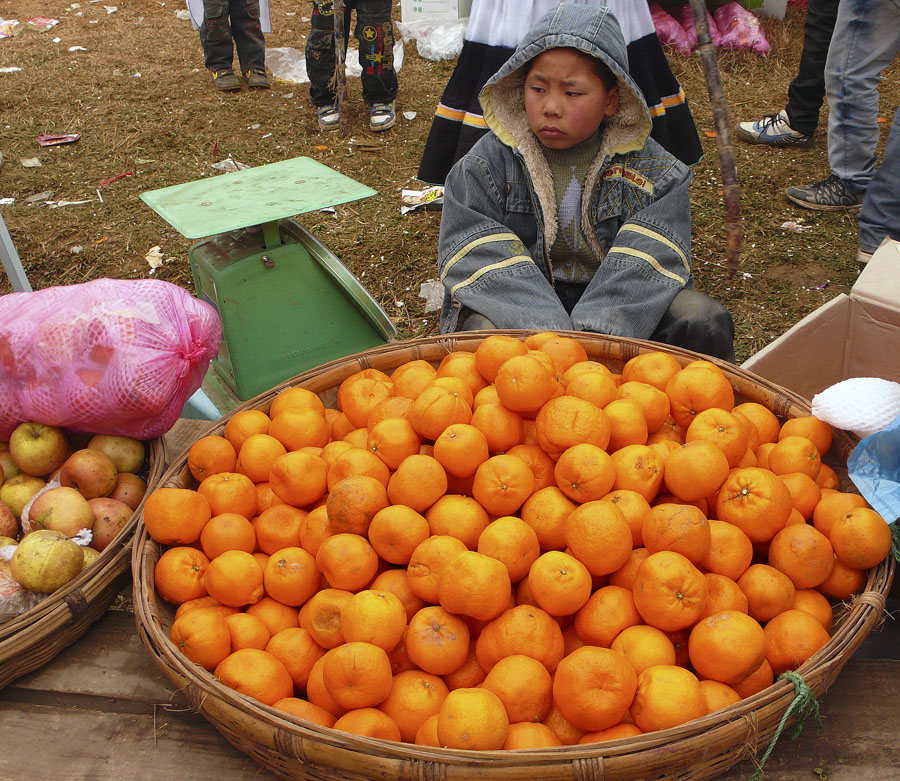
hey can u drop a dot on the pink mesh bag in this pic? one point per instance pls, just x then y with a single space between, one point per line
668 30
685 18
109 356
740 29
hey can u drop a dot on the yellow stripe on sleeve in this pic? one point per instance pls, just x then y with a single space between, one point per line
485 269
661 239
649 259
477 243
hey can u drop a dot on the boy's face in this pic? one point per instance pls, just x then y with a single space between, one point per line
565 98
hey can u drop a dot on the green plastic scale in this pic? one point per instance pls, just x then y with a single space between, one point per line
286 302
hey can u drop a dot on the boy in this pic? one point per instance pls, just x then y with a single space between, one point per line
567 216
229 25
375 33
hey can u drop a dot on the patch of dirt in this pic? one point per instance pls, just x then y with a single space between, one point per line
145 105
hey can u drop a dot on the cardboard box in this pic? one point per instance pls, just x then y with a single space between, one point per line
449 10
856 335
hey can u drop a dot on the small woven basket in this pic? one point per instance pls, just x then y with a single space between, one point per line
292 748
33 638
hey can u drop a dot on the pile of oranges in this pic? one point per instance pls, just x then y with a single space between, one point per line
517 548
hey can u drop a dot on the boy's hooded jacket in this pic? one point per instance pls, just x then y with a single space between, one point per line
500 217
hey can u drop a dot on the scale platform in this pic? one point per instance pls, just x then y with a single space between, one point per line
286 302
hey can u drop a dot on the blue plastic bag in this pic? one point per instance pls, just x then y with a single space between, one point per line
874 468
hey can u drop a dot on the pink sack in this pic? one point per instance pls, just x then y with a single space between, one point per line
111 356
668 30
740 29
685 18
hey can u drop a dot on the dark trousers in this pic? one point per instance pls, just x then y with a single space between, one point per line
230 24
375 33
806 92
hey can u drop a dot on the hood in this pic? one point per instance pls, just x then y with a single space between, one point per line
592 30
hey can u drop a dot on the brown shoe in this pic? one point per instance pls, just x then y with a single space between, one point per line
257 80
226 81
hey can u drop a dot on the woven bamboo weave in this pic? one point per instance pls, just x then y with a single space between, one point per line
292 748
33 638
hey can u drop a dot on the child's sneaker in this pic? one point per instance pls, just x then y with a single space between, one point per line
257 79
226 81
830 195
381 116
329 116
773 130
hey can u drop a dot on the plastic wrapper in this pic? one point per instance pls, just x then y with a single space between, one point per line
685 18
740 29
106 357
14 600
669 31
874 468
435 40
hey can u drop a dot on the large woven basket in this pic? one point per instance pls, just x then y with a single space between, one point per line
293 748
33 638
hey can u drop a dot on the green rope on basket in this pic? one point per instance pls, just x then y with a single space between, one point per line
804 704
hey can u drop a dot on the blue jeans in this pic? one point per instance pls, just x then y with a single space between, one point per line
880 213
866 38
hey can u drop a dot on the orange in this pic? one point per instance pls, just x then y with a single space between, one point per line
644 646
768 590
723 593
456 385
357 675
462 364
229 492
359 393
472 584
291 576
599 388
179 574
437 641
298 427
524 734
395 531
585 472
247 631
730 550
565 421
834 505
426 735
353 502
802 553
296 649
303 709
827 478
670 432
412 377
341 426
257 455
654 368
255 674
353 461
634 507
493 351
472 719
667 696
332 451
609 610
752 431
677 527
202 636
816 604
669 591
816 431
176 515
616 732
427 561
234 578
559 582
718 695
487 395
627 424
755 682
598 535
652 400
567 733
502 484
524 384
242 424
395 581
502 428
795 454
210 455
524 687
321 616
727 646
460 449
512 542
843 581
545 511
624 576
347 561
534 341
756 501
373 616
638 468
359 437
565 350
415 697
524 629
418 482
298 478
723 429
457 516
228 531
275 615
206 602
391 407
392 440
805 493
695 470
435 408
764 420
792 637
279 527
861 538
593 687
296 398
697 388
318 693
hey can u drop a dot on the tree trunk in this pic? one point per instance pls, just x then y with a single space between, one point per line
340 51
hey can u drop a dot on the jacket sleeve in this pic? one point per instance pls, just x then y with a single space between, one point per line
646 266
483 265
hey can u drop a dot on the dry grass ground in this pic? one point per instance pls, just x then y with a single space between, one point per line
144 104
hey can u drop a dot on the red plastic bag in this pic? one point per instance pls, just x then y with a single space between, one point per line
110 356
740 29
668 30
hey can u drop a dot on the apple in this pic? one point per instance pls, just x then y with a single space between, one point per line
110 517
61 509
90 472
8 541
90 555
126 453
17 491
9 467
37 448
129 489
9 526
45 562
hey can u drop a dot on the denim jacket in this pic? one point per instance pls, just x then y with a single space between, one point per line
499 216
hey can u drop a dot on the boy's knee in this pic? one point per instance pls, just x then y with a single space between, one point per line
700 323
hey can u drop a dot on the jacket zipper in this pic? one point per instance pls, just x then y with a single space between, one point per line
537 211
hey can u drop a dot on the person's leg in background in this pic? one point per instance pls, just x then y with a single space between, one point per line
375 33
218 46
320 62
879 217
249 41
697 322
